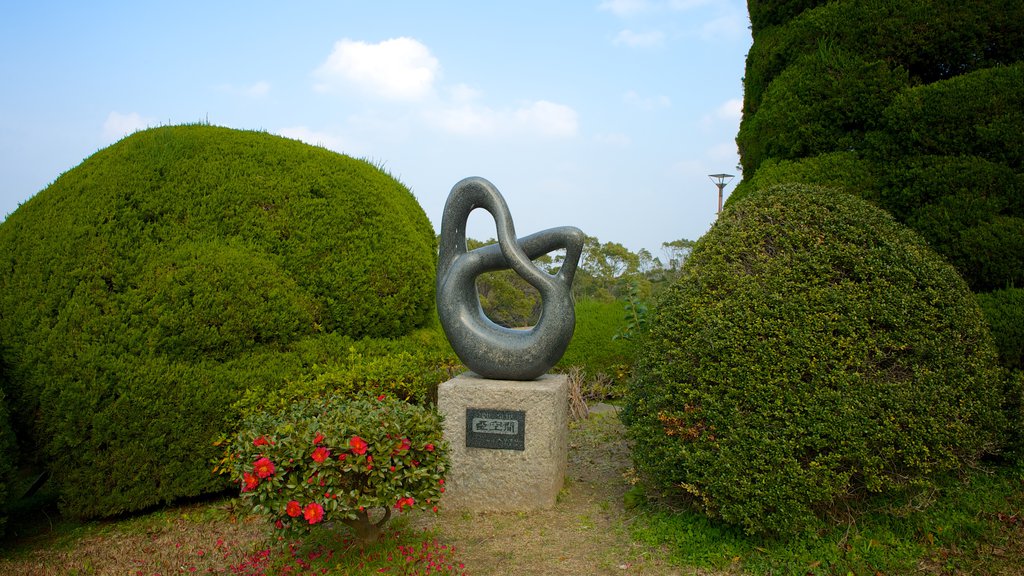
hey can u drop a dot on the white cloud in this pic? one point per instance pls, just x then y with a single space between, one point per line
639 39
682 5
322 139
396 69
118 125
730 111
541 118
463 93
625 7
636 100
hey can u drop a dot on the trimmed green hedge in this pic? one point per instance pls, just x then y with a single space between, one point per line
812 351
147 289
840 170
8 450
1004 310
977 114
823 102
594 348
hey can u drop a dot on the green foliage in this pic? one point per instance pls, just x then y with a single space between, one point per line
931 39
145 290
914 105
1004 310
8 455
841 170
594 348
813 351
410 368
968 519
602 268
824 102
977 114
338 459
768 13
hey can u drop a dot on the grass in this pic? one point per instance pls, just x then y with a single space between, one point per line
212 538
974 525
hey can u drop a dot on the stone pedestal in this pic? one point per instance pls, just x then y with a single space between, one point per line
511 457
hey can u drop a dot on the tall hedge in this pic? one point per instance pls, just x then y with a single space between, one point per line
813 351
145 290
923 102
8 449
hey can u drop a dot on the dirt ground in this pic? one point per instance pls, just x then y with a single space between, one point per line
587 532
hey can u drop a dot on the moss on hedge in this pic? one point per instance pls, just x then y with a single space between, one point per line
145 290
812 351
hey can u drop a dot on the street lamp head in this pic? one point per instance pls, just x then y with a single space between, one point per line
720 181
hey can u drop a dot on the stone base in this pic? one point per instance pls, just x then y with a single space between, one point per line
506 480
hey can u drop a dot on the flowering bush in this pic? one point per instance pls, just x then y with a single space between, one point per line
339 459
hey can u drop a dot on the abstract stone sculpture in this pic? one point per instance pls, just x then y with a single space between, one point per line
490 350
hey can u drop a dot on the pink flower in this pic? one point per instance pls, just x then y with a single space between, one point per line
358 445
319 438
313 513
264 467
321 454
294 509
250 482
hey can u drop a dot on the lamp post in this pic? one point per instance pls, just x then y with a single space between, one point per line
720 180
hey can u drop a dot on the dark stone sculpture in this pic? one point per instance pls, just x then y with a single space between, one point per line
490 350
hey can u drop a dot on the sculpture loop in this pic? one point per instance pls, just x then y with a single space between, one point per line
490 350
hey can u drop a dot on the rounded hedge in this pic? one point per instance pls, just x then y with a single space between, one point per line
1004 310
824 102
145 290
813 351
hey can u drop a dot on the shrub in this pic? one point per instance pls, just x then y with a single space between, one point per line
145 290
842 170
824 102
1004 310
335 459
8 456
594 348
813 350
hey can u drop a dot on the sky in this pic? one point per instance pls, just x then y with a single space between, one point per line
607 115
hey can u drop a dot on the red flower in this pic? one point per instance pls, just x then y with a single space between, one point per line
264 467
294 509
260 441
321 454
319 438
250 482
429 447
381 397
404 503
358 445
342 457
313 513
279 525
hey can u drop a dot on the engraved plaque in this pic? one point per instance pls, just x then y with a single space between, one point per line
496 429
